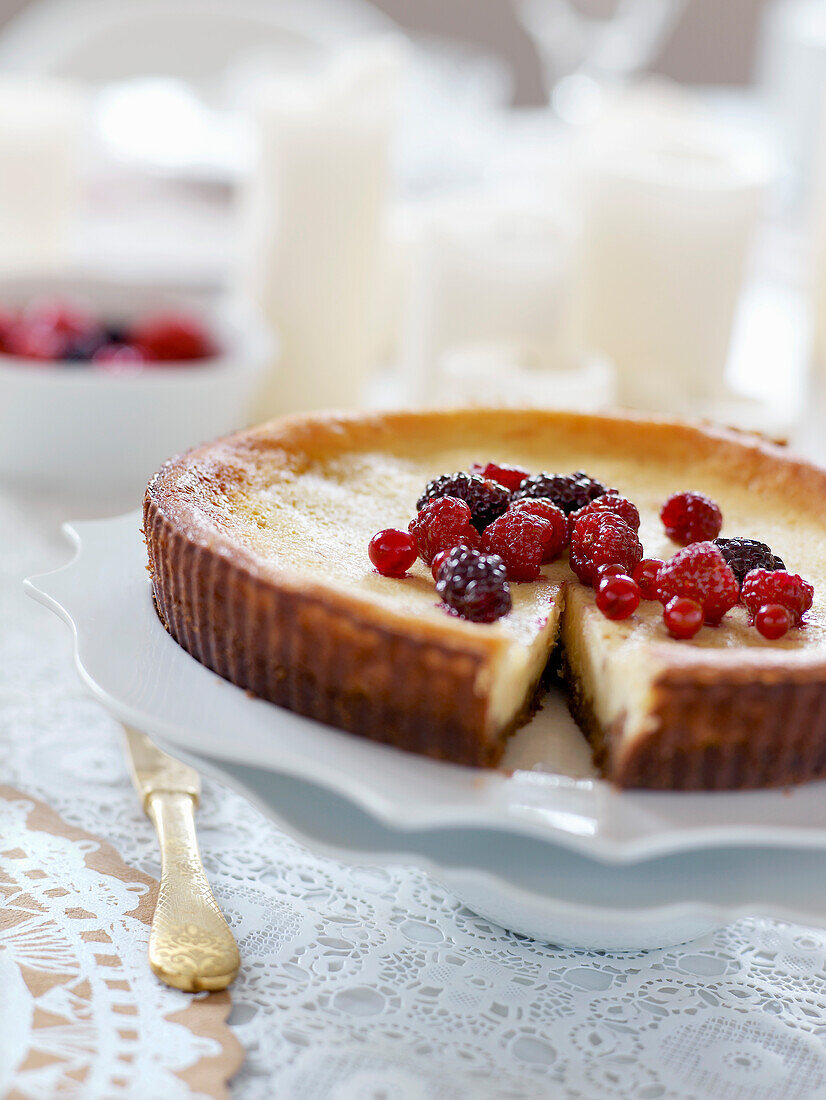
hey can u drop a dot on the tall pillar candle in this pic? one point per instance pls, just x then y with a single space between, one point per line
313 213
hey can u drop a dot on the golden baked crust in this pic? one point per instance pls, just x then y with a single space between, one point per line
715 715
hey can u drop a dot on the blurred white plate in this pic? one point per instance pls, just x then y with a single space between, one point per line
135 668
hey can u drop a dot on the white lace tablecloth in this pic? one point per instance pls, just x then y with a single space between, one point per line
366 983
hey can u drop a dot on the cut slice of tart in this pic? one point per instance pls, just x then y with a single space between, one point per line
257 549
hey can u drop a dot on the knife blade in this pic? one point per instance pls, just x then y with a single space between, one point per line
191 946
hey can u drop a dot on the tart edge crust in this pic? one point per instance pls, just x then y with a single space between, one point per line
711 728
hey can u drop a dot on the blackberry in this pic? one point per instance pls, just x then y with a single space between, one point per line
474 585
743 555
569 492
82 349
486 499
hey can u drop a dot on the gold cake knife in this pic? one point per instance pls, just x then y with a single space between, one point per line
190 943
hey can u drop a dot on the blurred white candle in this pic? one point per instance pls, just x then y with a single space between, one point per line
485 270
666 232
313 213
42 122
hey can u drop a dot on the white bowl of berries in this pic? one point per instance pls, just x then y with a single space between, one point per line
100 381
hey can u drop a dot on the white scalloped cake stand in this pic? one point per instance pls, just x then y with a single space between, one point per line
520 849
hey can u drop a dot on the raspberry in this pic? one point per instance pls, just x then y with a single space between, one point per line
743 555
486 499
615 504
691 517
764 586
440 525
509 476
773 621
474 585
683 617
618 596
603 539
567 491
392 552
67 318
646 575
170 337
560 531
700 572
35 341
520 540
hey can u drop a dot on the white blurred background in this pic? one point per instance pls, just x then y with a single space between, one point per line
580 203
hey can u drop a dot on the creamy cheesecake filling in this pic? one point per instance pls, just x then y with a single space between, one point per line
615 678
510 684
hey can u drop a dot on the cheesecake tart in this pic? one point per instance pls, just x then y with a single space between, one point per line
257 554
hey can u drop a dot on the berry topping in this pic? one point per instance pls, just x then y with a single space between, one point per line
520 540
171 337
691 517
764 586
700 572
557 520
486 499
568 491
474 585
509 476
615 504
743 555
392 552
646 575
441 524
618 596
773 621
603 539
683 617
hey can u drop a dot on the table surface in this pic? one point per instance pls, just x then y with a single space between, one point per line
374 982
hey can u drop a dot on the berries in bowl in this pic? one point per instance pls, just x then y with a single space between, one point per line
99 380
70 333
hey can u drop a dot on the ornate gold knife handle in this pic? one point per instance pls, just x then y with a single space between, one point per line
190 944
